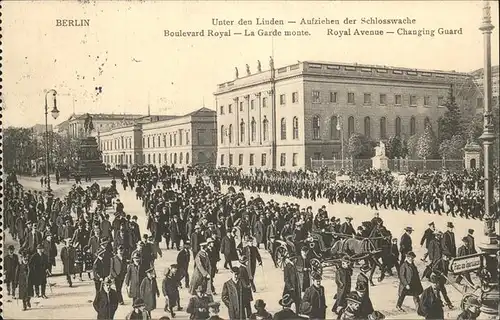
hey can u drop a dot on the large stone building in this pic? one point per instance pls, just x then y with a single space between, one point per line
180 140
74 125
495 86
281 118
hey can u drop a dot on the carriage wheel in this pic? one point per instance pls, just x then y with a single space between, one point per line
281 254
316 266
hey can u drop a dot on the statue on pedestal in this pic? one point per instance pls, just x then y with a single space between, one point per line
88 125
380 149
259 67
236 73
248 70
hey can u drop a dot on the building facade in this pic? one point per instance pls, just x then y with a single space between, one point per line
495 86
180 140
282 118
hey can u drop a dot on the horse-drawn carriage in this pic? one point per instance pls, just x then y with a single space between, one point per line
327 249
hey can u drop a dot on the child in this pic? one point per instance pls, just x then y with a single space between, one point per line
170 288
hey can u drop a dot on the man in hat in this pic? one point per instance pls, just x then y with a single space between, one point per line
50 249
431 306
198 304
352 309
148 290
245 280
39 268
139 312
196 240
106 301
409 284
11 264
100 268
253 256
314 300
286 312
228 249
435 250
470 239
202 270
175 232
135 231
183 259
292 282
23 282
68 258
213 311
347 227
170 289
464 250
32 239
343 281
261 313
427 238
233 296
303 265
133 278
405 244
448 244
471 309
118 269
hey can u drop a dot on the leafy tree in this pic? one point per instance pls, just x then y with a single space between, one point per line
427 144
355 145
412 146
451 123
19 148
394 147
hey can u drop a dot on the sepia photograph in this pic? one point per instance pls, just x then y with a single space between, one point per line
238 160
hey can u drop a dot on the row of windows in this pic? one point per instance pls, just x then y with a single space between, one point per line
263 159
116 144
332 97
382 99
253 103
151 158
154 142
336 126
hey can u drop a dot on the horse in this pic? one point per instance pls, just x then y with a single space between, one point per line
362 249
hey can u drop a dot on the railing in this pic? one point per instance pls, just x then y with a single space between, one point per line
337 165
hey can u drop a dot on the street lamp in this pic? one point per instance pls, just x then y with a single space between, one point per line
55 114
490 293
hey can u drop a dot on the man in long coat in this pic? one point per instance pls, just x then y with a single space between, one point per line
292 283
427 237
259 231
106 301
303 265
431 304
132 278
11 263
68 258
253 256
343 281
228 249
38 269
449 246
232 296
405 244
183 259
118 270
409 284
202 270
149 291
23 282
314 297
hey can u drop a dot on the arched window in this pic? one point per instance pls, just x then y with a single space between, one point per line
283 129
187 157
334 128
427 123
295 128
316 127
159 141
154 157
222 133
242 131
171 158
175 157
367 127
350 126
230 133
413 126
181 156
383 128
149 158
265 130
398 126
253 129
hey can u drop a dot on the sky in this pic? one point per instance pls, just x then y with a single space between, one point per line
125 52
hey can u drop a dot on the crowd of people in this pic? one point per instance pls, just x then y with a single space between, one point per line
204 225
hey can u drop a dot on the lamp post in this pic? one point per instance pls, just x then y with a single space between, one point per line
55 114
489 294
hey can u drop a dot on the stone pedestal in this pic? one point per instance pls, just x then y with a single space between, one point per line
380 162
89 159
472 156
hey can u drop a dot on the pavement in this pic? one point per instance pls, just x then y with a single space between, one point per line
76 303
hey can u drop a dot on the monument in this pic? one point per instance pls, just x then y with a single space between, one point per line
380 160
89 156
